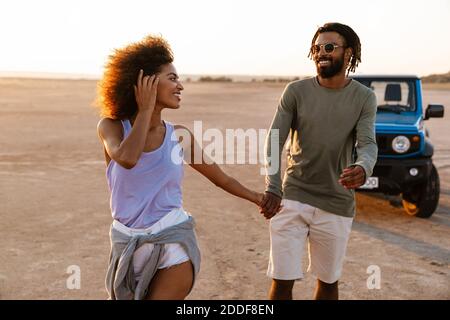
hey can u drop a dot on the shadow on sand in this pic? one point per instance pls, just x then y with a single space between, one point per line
415 246
424 249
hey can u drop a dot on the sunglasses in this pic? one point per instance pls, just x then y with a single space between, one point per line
328 47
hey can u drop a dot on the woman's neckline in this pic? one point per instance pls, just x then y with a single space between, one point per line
163 142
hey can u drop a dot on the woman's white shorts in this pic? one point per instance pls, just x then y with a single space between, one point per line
173 253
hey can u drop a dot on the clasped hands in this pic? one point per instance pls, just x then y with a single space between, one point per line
351 178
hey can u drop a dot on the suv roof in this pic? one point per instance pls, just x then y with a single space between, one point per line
391 77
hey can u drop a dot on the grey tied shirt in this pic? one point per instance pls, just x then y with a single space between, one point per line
327 123
120 279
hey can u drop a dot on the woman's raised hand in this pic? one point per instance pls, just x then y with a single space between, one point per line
145 91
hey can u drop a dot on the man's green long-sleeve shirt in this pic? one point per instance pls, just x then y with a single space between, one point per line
328 123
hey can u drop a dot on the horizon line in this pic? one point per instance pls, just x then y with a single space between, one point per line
196 76
90 76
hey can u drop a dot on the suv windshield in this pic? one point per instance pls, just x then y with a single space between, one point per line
393 95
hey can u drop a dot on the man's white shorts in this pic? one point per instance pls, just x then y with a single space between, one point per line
327 235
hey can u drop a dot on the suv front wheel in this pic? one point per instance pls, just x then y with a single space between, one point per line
423 200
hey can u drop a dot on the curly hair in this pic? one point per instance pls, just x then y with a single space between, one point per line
351 41
115 96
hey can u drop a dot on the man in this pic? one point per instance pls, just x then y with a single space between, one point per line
330 115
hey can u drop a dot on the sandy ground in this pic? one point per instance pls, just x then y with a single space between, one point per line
55 206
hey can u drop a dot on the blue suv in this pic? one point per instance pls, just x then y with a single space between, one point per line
404 166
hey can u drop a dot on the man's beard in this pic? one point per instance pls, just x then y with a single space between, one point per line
333 69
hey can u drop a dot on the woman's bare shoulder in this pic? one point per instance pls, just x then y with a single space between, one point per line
181 127
108 126
183 132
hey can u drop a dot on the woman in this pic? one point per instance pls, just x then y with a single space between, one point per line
154 253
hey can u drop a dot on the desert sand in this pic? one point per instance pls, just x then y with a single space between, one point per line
54 210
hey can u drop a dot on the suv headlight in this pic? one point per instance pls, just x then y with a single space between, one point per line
401 144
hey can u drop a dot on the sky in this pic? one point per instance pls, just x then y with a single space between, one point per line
223 36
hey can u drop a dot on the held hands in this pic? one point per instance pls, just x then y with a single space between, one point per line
352 177
145 92
269 205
